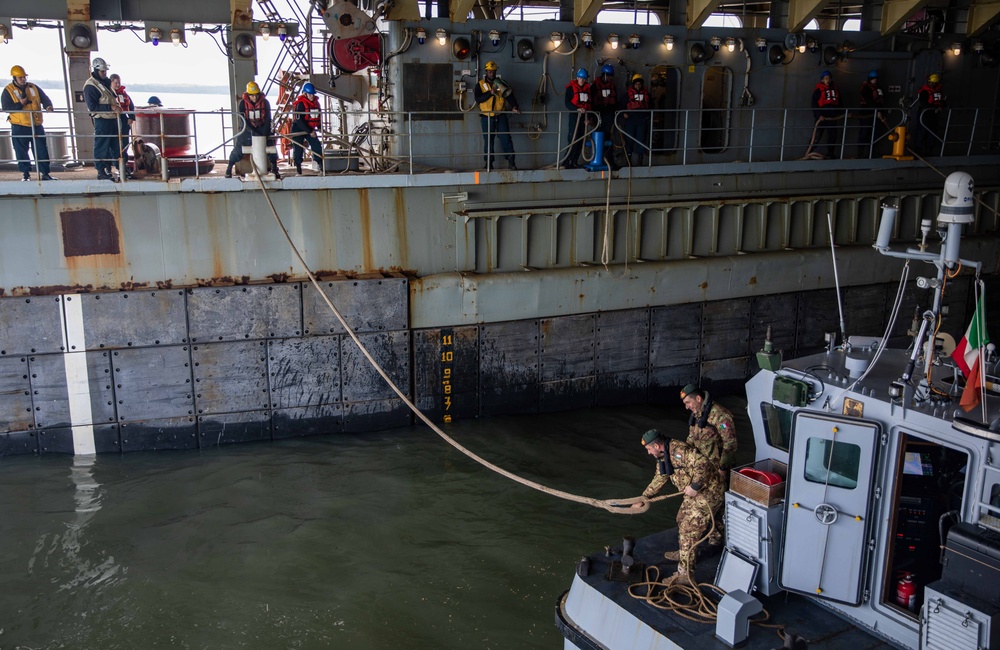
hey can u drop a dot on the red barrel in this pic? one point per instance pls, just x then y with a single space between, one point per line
177 133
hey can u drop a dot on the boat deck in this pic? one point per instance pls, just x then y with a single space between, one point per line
820 628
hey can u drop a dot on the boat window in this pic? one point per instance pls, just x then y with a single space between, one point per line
627 17
723 20
832 463
715 93
777 425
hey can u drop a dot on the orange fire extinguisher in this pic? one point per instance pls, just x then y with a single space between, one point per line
906 592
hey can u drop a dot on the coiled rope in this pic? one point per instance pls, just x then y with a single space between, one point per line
617 506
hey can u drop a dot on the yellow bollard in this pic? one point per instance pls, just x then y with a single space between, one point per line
898 140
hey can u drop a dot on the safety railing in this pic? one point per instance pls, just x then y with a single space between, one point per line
426 141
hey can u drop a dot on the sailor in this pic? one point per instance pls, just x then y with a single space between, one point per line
494 97
154 101
127 117
826 105
698 478
932 101
577 98
256 112
636 120
26 128
872 103
710 427
104 110
307 124
605 102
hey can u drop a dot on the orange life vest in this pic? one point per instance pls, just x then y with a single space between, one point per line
828 97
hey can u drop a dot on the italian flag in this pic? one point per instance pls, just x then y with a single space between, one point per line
967 356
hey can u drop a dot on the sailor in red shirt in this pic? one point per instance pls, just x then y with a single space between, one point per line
577 98
932 102
826 108
605 101
636 120
872 115
307 125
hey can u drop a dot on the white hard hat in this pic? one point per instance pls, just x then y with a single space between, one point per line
99 64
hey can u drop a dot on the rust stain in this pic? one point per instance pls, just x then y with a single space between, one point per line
364 214
703 285
89 231
753 281
401 225
279 278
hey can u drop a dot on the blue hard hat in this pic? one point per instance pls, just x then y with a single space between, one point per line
582 73
309 89
825 73
608 69
873 74
154 101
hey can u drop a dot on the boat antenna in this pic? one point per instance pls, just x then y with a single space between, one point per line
836 279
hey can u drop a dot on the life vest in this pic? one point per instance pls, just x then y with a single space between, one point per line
935 98
638 100
605 95
579 95
871 95
107 97
309 112
34 104
124 101
828 97
494 103
256 113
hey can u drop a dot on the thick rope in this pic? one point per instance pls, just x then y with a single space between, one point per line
618 506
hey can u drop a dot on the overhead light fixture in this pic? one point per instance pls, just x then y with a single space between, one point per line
282 32
633 41
557 39
81 37
802 48
812 45
761 44
956 48
245 46
494 37
977 47
588 40
716 42
613 41
265 32
731 44
668 40
442 36
175 37
421 35
155 35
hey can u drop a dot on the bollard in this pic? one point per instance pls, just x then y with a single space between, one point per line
259 154
898 140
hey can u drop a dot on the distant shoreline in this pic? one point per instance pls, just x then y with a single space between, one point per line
49 86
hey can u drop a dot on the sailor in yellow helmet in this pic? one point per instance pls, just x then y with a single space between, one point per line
25 102
927 134
494 98
256 113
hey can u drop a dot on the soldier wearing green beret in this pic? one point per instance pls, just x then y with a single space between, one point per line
710 427
698 478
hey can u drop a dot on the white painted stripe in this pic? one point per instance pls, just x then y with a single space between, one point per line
77 376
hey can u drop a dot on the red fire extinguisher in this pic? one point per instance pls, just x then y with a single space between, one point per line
906 592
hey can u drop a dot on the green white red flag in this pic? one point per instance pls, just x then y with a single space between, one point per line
968 358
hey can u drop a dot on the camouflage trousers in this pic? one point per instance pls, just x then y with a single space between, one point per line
694 518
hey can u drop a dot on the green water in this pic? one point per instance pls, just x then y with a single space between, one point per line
387 540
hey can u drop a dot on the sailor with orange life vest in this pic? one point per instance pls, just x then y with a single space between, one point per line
872 102
307 124
26 127
932 101
636 118
605 102
826 108
126 119
256 113
577 98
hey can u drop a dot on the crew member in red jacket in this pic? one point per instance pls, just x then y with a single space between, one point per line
577 98
826 108
932 102
307 126
636 118
256 113
872 115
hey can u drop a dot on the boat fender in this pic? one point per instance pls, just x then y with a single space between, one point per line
583 567
767 478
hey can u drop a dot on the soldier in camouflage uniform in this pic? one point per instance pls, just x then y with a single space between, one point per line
710 427
698 478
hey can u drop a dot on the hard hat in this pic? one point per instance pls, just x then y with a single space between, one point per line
607 69
934 78
636 77
154 101
491 65
18 71
253 88
582 73
825 73
99 64
309 89
873 74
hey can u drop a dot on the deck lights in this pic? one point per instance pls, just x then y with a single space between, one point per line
175 37
731 44
812 45
633 41
716 42
557 39
956 48
494 37
155 35
421 35
613 41
802 48
442 36
282 32
761 44
977 47
265 32
668 40
81 37
588 40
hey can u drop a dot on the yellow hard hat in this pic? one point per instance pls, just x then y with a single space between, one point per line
253 88
934 78
636 77
18 71
491 65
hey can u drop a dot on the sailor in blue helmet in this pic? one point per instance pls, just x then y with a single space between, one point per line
154 101
605 101
826 110
872 102
577 98
307 125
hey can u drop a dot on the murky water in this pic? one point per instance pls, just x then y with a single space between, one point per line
388 540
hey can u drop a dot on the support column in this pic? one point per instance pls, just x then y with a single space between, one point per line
79 72
896 12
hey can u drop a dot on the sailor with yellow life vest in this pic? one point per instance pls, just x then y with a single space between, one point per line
307 124
256 113
494 98
25 102
105 111
826 109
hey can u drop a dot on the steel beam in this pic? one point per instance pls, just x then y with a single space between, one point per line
981 16
459 10
896 12
698 12
585 11
800 12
